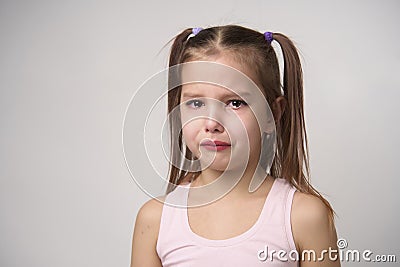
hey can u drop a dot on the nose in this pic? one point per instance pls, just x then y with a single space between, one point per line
212 126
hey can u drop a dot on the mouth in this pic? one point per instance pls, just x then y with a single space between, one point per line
215 145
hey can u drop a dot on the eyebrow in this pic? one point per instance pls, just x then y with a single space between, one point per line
232 94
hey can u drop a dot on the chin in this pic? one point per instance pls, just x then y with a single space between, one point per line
217 165
223 167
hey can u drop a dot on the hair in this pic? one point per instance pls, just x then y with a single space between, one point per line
250 48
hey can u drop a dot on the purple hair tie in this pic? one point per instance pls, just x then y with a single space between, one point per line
195 31
269 37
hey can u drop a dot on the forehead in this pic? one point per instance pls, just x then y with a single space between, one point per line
227 77
210 90
229 60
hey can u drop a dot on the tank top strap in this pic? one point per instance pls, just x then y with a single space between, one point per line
279 208
172 218
288 223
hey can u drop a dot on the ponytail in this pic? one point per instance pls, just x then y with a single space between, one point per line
178 47
174 59
292 152
176 175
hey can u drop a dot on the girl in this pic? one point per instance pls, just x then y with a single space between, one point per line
284 221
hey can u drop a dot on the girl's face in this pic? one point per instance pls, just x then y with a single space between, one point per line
219 126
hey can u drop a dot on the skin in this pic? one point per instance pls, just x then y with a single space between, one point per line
311 226
202 129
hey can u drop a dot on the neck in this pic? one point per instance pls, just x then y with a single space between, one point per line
253 175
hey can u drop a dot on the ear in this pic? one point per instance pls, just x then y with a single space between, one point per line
278 108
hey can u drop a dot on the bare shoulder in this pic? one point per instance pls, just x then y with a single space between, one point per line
313 227
145 234
150 212
310 210
149 217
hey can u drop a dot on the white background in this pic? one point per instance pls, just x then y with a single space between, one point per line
69 68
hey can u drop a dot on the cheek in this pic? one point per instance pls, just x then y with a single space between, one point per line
249 130
190 132
187 133
253 130
247 136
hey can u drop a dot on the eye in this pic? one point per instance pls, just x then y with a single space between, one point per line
195 103
236 103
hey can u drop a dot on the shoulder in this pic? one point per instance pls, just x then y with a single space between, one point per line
145 234
149 214
312 223
308 209
148 220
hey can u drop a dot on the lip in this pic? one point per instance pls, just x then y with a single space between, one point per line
215 145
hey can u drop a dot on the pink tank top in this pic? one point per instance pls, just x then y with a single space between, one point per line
269 242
